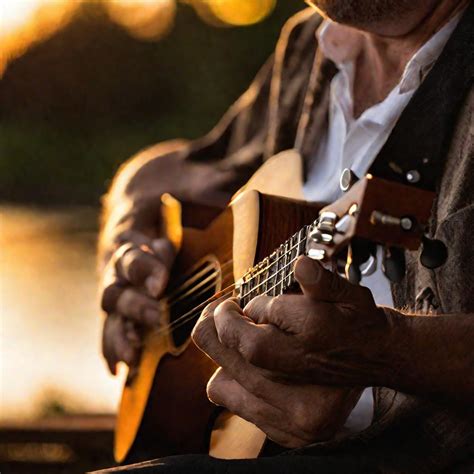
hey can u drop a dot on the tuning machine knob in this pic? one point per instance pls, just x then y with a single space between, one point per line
360 251
394 264
325 228
434 253
406 223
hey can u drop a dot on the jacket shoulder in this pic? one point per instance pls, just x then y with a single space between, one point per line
299 29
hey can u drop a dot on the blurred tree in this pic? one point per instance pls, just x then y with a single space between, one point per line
76 105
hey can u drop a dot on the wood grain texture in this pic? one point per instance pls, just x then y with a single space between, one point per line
167 411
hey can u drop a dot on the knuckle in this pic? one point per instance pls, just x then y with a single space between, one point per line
276 306
201 332
164 250
250 349
256 304
110 296
134 264
208 311
129 303
223 309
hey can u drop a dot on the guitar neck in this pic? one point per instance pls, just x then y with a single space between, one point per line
275 274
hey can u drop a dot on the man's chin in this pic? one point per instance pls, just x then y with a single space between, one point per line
371 15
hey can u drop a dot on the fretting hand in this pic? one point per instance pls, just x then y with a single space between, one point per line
333 333
292 415
278 352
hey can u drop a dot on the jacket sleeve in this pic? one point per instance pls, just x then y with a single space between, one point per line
207 170
455 216
211 169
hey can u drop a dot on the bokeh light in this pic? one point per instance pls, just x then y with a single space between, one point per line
24 22
144 19
241 12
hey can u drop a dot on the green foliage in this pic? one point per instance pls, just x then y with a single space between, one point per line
77 105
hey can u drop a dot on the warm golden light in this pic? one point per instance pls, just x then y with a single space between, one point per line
241 12
145 19
23 22
14 14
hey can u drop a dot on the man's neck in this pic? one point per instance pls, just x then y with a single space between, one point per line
383 59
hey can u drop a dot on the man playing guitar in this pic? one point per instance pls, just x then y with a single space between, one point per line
385 87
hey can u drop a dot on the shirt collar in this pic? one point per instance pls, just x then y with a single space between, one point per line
342 44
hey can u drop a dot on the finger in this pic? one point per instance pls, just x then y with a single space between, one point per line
286 312
224 391
204 328
108 346
164 250
115 346
110 296
322 285
140 267
140 308
135 237
133 333
206 338
260 344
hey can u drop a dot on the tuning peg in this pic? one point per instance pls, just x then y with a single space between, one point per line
359 252
353 273
433 253
394 264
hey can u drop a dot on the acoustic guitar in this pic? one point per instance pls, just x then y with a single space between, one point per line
250 250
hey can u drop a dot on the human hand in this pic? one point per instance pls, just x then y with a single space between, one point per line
135 277
292 415
332 334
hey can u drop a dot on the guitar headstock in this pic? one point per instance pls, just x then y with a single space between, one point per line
372 211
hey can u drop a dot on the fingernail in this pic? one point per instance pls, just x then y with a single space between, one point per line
152 316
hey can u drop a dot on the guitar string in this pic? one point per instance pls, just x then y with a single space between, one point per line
276 274
186 317
211 286
194 276
262 270
253 276
190 315
195 315
191 290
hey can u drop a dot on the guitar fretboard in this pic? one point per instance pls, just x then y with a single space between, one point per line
274 275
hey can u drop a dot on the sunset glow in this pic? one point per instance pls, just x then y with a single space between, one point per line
145 19
24 22
241 13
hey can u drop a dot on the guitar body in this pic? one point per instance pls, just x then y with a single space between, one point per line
165 410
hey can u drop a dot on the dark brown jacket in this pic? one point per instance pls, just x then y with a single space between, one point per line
286 107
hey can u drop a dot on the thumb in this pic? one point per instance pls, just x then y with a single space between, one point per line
322 285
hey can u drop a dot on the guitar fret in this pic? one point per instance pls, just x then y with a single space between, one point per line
286 272
264 278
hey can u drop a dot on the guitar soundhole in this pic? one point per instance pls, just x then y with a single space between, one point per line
189 295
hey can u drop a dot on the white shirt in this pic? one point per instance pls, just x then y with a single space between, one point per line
355 143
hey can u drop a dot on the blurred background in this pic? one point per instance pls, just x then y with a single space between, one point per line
83 86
